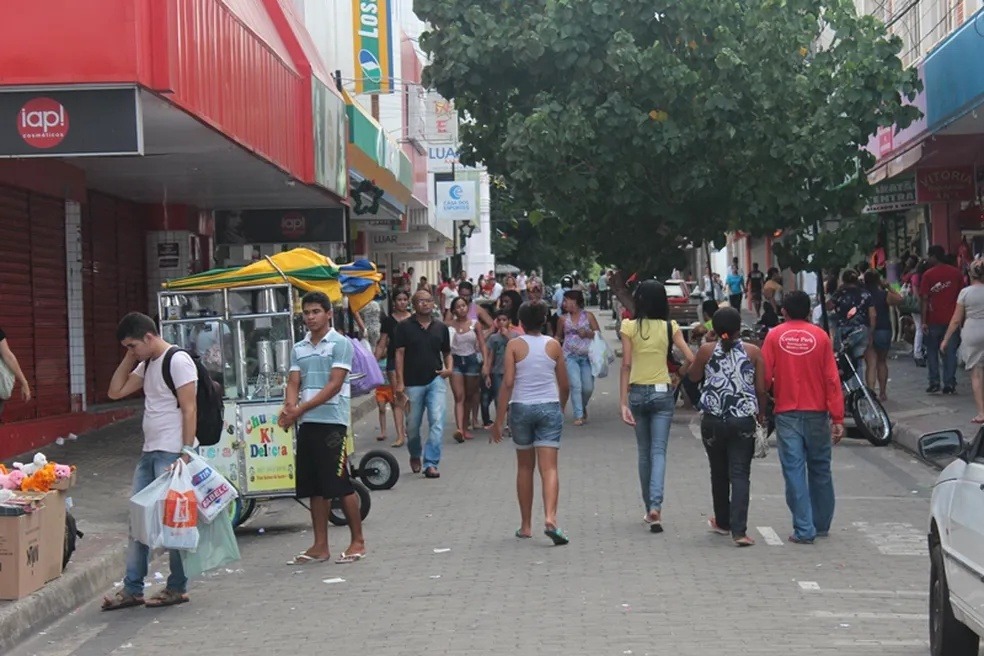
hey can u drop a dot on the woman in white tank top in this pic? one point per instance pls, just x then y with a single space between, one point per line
534 393
467 353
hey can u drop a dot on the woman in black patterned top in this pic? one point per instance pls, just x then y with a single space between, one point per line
733 392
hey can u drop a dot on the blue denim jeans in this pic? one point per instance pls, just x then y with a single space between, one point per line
433 398
933 338
582 382
653 413
152 464
805 452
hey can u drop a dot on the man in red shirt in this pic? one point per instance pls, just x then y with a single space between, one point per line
938 291
809 409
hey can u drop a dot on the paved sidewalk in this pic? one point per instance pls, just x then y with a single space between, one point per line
446 576
105 459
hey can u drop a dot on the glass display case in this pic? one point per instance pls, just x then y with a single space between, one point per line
243 336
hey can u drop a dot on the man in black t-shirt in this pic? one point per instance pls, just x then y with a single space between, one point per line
756 280
423 363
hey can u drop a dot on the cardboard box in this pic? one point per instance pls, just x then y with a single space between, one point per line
21 569
65 483
53 534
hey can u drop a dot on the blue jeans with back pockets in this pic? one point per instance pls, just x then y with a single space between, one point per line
433 398
805 448
653 414
152 465
581 381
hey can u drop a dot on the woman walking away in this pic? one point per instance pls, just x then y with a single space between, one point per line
468 354
733 392
9 359
646 397
386 350
876 357
576 330
535 391
969 314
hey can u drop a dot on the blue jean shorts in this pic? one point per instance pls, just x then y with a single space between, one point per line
882 339
536 424
467 365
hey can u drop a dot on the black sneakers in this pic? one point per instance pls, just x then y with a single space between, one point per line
933 389
949 390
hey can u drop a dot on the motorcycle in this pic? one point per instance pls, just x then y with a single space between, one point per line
869 415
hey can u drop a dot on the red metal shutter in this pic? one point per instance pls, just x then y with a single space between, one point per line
32 289
114 281
52 385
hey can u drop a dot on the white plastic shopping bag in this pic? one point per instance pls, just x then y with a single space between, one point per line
600 356
761 441
179 527
213 492
146 507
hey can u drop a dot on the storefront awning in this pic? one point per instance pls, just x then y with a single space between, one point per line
376 157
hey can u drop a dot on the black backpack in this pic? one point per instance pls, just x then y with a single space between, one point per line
208 399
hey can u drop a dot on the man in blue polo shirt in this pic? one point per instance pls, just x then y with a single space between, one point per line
318 400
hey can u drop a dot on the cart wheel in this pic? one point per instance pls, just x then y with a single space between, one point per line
379 470
337 517
240 510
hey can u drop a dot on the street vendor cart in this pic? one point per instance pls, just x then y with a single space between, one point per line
243 324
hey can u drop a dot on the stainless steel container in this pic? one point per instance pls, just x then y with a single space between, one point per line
282 349
267 301
264 357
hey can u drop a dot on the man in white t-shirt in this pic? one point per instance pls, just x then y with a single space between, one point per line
496 291
448 294
168 426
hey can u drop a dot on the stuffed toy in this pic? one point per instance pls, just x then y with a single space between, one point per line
14 480
62 472
41 480
30 468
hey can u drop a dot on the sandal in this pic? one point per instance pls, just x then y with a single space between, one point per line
979 419
380 438
397 444
744 541
713 525
459 437
304 559
579 422
121 600
348 559
555 534
522 536
167 597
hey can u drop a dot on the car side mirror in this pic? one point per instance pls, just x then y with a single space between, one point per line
942 445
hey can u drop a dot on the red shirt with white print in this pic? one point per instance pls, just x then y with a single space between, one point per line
940 286
800 367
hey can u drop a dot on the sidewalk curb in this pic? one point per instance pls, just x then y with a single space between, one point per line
83 581
63 595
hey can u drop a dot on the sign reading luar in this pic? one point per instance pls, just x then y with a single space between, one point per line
70 122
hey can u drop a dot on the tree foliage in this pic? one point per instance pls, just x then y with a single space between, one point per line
640 127
527 242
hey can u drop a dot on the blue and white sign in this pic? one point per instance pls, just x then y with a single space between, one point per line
457 201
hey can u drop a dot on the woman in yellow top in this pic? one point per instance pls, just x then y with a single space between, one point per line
646 392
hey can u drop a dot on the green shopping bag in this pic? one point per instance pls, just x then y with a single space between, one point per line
217 546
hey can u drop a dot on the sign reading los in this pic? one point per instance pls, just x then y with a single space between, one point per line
70 122
373 46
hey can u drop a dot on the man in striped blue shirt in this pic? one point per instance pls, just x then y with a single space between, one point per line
318 400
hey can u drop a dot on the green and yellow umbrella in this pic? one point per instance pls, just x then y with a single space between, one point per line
303 268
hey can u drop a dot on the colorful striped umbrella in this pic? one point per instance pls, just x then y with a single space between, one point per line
303 268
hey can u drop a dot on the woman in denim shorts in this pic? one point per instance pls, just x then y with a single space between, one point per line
535 391
468 353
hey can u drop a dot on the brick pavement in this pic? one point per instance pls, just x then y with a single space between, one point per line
616 589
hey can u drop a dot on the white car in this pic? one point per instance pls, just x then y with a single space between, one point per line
956 544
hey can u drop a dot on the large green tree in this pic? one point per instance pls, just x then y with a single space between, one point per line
638 127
